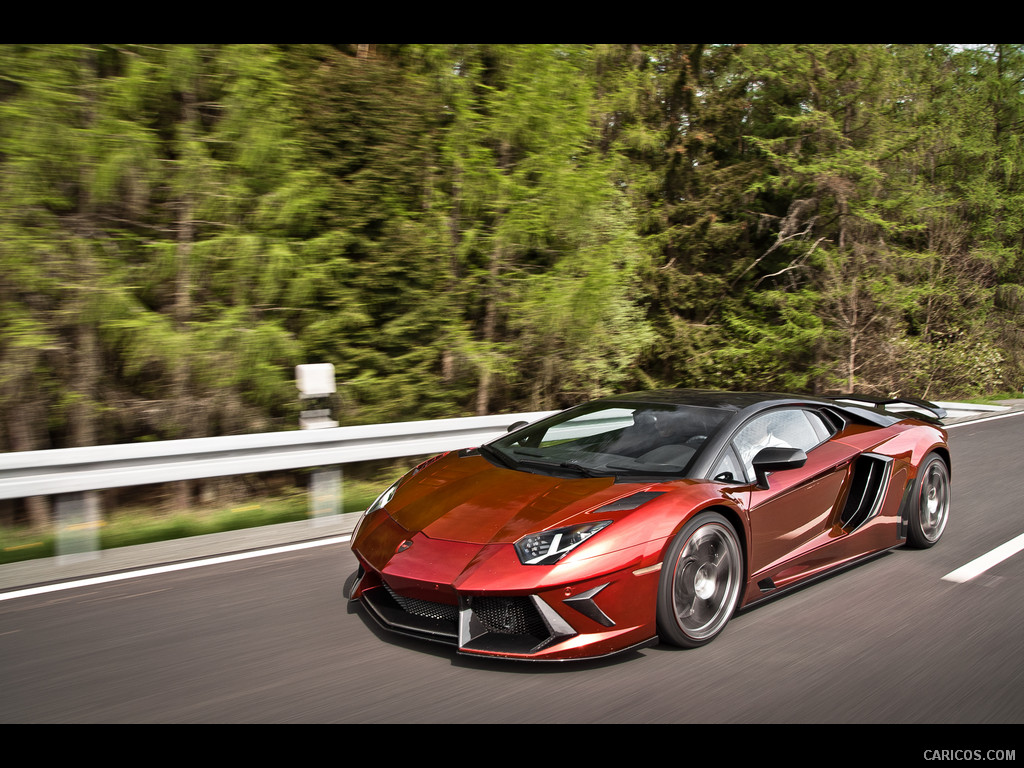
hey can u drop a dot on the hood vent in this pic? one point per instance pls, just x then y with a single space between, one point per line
629 502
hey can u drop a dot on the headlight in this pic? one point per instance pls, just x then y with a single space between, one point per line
549 547
383 499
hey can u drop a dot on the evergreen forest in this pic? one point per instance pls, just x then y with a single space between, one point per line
468 229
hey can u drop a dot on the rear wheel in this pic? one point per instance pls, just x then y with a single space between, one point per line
929 509
700 581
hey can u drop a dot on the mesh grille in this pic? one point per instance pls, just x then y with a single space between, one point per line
510 615
425 608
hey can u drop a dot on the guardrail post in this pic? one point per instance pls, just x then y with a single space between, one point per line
324 494
78 526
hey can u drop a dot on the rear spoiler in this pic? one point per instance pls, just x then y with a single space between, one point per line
910 406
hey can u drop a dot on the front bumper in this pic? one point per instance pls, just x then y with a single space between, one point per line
482 600
567 623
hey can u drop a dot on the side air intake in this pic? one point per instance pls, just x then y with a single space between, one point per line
867 488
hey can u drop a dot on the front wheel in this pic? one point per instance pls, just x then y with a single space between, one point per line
929 509
700 583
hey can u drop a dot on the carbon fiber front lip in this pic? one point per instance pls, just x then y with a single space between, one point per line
391 617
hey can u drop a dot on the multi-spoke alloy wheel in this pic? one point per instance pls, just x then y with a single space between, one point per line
930 509
700 581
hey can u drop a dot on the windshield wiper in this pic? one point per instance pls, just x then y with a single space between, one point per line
571 464
670 470
497 456
584 469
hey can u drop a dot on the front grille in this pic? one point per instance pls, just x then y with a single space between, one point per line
510 616
484 624
425 608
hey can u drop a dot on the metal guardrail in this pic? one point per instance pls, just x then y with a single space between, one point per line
73 470
71 475
966 410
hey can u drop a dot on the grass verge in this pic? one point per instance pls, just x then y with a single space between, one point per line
141 526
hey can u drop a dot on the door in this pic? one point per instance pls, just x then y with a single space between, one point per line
795 515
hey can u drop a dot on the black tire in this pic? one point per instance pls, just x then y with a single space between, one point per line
929 505
701 581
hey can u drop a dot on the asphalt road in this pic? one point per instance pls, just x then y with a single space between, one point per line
271 639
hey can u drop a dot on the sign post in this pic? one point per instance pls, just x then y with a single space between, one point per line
316 384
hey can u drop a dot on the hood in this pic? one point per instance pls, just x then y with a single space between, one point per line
468 499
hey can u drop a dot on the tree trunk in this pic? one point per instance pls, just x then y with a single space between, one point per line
483 393
182 494
25 422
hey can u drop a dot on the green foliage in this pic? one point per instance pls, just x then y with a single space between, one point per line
473 228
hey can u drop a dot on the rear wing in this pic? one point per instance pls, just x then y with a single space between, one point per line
912 407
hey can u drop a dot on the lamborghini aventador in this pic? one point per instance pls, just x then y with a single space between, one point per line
644 517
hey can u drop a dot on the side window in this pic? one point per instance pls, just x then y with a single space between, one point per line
821 425
786 428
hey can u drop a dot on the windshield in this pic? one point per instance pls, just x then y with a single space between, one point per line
604 440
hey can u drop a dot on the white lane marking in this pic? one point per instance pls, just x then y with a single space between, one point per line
979 565
169 568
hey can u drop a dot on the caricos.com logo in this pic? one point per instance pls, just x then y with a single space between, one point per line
970 754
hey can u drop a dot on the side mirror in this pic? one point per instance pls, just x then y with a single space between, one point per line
518 425
775 460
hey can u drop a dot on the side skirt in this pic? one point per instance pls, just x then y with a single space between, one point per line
765 596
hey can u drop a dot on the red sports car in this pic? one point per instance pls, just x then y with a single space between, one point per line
652 515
